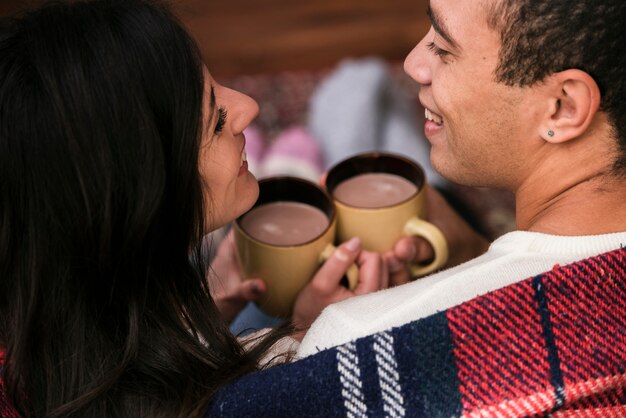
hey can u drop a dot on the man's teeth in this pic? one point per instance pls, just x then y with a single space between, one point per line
433 117
244 157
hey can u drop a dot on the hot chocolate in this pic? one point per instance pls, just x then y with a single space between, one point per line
285 223
374 190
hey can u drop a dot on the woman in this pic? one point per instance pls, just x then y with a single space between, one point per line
118 152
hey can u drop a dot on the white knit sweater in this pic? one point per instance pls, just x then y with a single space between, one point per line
511 258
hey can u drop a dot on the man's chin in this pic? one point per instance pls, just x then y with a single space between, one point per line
453 174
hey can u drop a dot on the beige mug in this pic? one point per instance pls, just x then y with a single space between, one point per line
287 268
381 227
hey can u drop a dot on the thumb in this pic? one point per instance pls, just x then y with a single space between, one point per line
328 276
397 268
414 249
251 289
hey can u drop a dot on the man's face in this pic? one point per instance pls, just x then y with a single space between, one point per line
479 129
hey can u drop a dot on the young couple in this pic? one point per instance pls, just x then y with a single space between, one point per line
118 152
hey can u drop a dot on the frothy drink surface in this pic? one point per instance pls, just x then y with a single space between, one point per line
285 223
374 190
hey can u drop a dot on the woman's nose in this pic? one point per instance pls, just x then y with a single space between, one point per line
243 111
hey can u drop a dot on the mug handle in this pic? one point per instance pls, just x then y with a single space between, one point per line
353 271
420 228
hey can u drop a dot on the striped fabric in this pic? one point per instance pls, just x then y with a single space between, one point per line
388 376
351 381
551 345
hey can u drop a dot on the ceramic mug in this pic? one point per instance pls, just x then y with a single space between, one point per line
287 268
379 228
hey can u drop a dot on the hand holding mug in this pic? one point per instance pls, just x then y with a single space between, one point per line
325 287
463 241
381 198
285 238
228 288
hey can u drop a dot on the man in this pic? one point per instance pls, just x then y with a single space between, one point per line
525 95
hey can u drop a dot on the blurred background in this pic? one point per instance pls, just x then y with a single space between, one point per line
264 36
252 36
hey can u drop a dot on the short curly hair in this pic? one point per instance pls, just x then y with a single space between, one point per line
542 37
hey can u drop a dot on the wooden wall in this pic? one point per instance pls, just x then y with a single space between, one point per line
249 36
260 36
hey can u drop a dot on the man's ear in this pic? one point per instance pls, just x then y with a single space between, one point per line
574 100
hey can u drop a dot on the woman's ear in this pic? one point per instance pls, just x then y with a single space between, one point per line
574 101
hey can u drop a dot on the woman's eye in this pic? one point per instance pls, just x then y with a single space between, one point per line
436 50
221 120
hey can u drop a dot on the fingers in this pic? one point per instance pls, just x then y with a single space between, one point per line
398 271
413 250
251 290
407 250
373 273
331 272
324 288
230 304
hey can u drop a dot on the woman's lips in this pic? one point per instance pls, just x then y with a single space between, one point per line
244 162
244 168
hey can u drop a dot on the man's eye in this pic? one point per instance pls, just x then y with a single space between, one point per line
436 50
221 120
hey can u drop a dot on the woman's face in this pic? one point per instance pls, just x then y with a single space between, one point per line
229 189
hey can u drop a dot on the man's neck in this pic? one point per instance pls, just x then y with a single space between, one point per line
572 191
592 207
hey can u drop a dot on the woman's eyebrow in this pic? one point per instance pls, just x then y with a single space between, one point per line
441 29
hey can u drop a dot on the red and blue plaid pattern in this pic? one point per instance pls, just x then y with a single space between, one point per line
551 345
6 408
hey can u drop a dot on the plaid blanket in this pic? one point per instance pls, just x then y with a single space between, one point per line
554 345
6 409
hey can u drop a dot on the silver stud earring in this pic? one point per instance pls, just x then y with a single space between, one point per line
550 133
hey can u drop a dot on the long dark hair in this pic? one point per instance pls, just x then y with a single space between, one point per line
103 311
